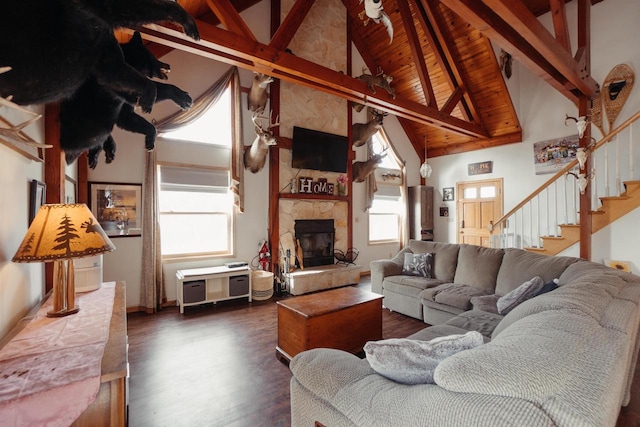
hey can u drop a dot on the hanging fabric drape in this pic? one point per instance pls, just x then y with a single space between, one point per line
372 185
231 80
152 292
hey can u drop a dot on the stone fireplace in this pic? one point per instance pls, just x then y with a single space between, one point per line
316 238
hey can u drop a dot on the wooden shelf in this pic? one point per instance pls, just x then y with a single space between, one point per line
302 196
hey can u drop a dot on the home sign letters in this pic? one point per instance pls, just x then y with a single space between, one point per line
309 186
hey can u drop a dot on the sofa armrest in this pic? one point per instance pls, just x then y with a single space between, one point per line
386 267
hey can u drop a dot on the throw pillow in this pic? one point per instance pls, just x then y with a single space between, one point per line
412 361
488 303
520 294
418 264
548 287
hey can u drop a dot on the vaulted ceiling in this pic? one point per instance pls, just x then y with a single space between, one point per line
450 92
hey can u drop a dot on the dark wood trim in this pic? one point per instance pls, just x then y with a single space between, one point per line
230 18
290 25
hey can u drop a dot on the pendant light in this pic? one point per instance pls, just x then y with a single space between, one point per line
425 168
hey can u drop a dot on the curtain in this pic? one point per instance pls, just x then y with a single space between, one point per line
372 185
152 290
230 79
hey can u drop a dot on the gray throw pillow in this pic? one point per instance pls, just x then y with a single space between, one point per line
520 294
488 303
418 264
413 361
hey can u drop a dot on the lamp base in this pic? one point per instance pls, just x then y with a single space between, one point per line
63 312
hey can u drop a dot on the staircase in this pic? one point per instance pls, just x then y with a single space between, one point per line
547 221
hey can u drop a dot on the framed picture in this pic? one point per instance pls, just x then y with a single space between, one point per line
37 197
117 207
444 211
447 194
70 190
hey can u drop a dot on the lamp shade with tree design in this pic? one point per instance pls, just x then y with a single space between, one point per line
60 233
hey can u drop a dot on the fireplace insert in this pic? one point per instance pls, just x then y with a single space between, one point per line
316 238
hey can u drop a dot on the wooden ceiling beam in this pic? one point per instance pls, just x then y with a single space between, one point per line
476 145
560 26
230 18
440 40
524 22
290 25
417 53
495 28
225 46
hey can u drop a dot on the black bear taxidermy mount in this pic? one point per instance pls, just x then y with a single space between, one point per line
54 46
88 117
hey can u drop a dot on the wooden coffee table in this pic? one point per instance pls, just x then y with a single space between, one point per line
344 319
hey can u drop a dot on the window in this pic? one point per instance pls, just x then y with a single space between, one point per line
196 211
387 207
196 204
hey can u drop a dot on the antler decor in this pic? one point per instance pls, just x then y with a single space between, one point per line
583 179
14 132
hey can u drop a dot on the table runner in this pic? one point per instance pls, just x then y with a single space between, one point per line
50 371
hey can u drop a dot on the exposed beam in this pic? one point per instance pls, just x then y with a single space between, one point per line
416 53
560 26
476 145
230 17
290 25
453 100
225 46
496 29
440 41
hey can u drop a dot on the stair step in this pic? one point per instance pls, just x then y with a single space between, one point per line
532 249
602 199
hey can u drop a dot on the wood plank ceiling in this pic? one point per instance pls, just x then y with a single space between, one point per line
449 88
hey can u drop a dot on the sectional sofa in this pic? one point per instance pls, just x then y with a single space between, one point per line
562 358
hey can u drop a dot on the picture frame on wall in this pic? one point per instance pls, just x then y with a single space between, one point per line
117 207
70 190
37 197
448 194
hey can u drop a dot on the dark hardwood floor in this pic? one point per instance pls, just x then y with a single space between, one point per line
216 366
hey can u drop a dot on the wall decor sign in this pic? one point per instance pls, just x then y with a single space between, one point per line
309 186
117 207
480 168
552 155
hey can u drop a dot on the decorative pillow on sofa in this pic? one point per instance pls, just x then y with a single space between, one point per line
488 303
548 287
520 294
413 361
418 264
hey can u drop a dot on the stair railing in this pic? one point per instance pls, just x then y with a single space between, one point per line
556 202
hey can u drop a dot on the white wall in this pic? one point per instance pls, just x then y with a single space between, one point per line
541 111
21 285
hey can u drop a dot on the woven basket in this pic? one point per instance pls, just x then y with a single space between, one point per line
261 285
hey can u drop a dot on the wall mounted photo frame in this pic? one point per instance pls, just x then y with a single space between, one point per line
444 211
70 190
37 197
117 207
448 194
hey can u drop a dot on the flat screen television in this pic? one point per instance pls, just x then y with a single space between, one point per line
312 149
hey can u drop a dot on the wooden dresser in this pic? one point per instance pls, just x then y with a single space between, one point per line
109 409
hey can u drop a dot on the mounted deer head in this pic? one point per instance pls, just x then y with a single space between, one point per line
255 156
361 170
257 97
361 132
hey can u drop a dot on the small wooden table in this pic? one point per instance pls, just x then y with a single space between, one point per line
343 319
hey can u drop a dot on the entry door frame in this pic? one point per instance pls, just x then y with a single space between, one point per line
498 211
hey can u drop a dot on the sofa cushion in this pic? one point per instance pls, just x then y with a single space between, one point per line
520 294
445 257
453 294
488 303
519 266
476 320
478 266
393 282
418 264
413 361
548 287
431 332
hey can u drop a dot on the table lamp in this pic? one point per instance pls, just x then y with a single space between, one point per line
60 233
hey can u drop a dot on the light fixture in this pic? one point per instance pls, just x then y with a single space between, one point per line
60 233
425 168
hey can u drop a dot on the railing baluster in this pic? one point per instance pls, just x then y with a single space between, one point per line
546 190
631 165
606 170
538 221
618 191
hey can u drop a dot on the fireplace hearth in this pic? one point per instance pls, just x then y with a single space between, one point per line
316 238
